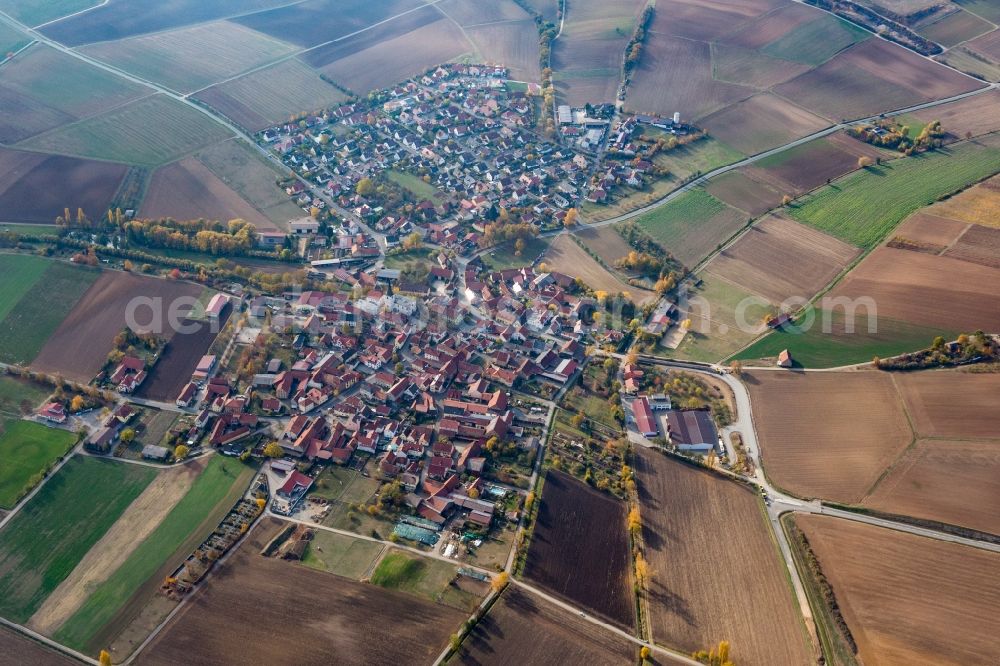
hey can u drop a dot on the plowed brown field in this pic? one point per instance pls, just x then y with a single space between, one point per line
908 599
79 347
694 595
334 618
951 403
828 434
579 549
956 482
779 258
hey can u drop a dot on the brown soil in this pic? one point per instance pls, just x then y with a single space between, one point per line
80 346
762 122
18 650
740 191
930 231
980 245
827 434
37 188
908 599
808 166
779 259
977 115
187 190
267 611
179 360
605 242
579 549
952 403
522 628
956 482
700 591
920 288
135 524
565 256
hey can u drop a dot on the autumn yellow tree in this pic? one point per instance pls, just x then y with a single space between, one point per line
864 162
500 581
273 450
519 245
181 451
634 520
641 569
77 403
571 217
104 659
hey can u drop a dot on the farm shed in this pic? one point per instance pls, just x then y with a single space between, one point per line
691 430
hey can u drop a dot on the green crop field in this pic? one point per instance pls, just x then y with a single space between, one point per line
11 40
19 395
413 574
504 256
20 273
692 225
151 131
66 83
863 207
36 12
702 156
191 520
816 349
416 186
341 554
41 307
817 41
27 449
42 544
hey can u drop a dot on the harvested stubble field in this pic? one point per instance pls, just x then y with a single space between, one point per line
702 156
948 481
970 62
380 65
815 41
522 628
244 170
272 95
955 28
762 122
715 332
321 21
740 191
829 434
811 164
778 259
38 188
931 232
979 204
587 57
985 8
872 77
692 225
150 131
514 45
927 290
735 64
987 45
952 403
863 207
772 26
580 551
398 627
607 243
79 347
17 650
693 19
42 544
191 58
30 322
180 359
675 74
188 190
117 19
24 117
693 600
27 449
565 256
908 599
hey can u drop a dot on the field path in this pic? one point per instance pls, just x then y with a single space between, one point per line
138 522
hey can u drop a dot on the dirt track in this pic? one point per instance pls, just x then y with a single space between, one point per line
141 517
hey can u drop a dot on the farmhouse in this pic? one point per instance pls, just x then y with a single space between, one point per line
643 415
53 412
129 374
692 430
